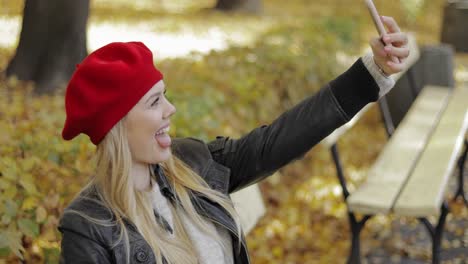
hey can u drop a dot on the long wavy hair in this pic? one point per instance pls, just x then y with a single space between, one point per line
116 191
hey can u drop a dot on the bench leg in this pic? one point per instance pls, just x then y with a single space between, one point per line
356 227
437 232
461 170
339 170
386 116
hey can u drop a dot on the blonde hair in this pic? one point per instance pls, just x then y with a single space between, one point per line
117 192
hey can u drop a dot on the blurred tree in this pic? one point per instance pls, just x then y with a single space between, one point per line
52 42
251 6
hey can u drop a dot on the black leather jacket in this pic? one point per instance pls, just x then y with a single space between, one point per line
227 165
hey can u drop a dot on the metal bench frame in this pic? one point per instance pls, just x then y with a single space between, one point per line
356 226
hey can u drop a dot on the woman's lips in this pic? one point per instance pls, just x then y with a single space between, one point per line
163 138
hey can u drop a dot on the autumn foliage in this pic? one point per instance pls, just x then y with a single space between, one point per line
222 93
226 93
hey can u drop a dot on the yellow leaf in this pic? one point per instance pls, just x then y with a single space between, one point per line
51 201
10 193
29 186
277 252
28 164
13 239
10 171
4 184
41 214
29 203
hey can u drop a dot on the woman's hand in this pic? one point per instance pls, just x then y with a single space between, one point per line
396 46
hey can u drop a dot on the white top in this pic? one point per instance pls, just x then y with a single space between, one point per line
209 250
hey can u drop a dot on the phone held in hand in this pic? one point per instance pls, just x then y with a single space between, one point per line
375 17
378 23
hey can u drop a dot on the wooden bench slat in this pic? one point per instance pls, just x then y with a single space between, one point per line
424 191
397 159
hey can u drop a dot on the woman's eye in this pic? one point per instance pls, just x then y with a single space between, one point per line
155 102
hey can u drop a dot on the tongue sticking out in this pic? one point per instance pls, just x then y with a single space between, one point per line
164 140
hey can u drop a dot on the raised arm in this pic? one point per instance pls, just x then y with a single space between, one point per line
267 148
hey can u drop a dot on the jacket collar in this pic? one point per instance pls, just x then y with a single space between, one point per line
164 185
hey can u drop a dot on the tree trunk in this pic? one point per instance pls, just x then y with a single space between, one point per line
52 42
250 6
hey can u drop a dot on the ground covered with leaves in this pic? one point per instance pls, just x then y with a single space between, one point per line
294 49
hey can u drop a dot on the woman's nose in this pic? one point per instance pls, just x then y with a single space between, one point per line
170 109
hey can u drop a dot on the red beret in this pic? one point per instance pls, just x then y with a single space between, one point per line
105 86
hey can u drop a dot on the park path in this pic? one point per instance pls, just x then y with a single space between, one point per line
176 44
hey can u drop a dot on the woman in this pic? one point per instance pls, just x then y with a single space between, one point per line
157 200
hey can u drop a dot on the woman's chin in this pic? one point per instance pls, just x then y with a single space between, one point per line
163 155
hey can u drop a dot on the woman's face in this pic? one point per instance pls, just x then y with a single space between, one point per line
147 126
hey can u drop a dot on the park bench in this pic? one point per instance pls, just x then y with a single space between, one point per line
409 178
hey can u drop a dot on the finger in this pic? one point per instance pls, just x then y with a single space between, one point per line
396 38
403 60
395 67
377 47
401 52
391 24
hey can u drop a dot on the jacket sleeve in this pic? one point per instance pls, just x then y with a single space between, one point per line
77 248
267 148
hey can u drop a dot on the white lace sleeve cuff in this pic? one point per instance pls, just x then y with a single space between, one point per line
384 82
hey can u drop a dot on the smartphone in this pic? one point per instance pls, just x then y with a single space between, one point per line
376 17
378 23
